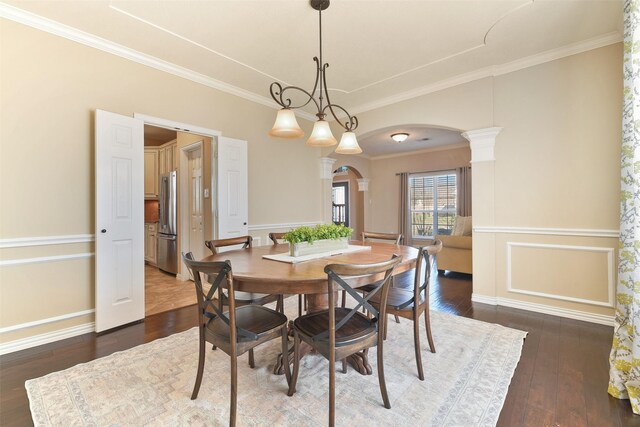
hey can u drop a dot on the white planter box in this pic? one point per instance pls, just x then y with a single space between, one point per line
305 248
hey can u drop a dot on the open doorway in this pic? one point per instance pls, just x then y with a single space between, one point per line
347 199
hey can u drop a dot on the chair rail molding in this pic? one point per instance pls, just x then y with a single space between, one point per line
20 242
482 143
582 232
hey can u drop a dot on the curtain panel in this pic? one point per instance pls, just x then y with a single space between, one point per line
405 211
624 360
463 180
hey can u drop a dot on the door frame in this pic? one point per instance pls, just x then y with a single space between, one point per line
186 128
345 183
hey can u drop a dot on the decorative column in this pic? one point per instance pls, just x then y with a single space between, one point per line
326 175
482 143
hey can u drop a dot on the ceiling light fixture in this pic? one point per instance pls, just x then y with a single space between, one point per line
286 125
399 137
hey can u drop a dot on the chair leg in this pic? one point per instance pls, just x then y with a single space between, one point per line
234 391
397 318
427 324
299 305
296 363
252 363
285 355
344 298
383 384
344 366
416 343
201 356
384 329
280 304
332 388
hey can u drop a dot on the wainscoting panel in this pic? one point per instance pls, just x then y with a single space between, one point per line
582 274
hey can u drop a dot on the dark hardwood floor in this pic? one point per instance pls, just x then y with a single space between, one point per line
561 379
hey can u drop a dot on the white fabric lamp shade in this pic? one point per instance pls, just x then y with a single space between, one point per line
286 125
321 135
348 144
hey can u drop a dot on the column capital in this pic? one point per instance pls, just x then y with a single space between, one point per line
482 143
326 167
363 184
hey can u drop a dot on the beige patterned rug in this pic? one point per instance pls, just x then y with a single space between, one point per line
466 384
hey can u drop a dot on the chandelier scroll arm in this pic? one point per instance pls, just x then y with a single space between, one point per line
277 92
352 123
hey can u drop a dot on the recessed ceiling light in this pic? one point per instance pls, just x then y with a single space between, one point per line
425 139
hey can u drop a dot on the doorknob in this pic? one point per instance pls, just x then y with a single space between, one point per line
104 230
244 223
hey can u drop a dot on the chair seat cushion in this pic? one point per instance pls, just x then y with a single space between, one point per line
396 298
254 318
315 323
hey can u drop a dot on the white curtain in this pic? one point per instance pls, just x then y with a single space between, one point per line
624 361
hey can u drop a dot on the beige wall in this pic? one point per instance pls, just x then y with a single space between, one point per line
556 167
556 164
50 88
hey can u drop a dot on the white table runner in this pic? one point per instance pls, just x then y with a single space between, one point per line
285 257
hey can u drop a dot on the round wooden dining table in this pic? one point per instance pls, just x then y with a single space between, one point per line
253 273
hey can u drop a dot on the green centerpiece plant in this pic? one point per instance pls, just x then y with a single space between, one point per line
321 238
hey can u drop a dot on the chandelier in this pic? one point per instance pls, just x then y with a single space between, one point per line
286 125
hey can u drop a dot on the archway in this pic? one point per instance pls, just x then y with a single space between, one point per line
348 199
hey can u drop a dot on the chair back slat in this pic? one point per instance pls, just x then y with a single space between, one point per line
426 255
275 237
217 272
341 273
368 235
214 245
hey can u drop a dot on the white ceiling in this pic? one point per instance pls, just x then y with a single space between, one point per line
378 143
378 51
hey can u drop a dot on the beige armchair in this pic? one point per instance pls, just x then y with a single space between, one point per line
456 254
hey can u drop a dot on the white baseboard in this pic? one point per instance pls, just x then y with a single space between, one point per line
545 309
48 337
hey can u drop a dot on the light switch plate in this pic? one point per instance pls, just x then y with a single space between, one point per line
206 193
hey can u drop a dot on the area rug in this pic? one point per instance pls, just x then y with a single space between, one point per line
466 382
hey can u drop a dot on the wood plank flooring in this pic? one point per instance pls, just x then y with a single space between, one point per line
561 379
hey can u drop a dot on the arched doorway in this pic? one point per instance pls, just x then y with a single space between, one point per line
348 205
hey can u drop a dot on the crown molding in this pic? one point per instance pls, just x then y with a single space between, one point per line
35 21
426 150
495 70
27 18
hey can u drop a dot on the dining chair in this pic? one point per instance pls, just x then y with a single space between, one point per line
339 332
236 331
243 298
411 303
367 236
276 239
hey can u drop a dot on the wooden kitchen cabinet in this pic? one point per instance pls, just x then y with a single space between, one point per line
168 157
150 173
151 243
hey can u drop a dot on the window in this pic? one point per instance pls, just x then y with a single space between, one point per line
432 201
340 199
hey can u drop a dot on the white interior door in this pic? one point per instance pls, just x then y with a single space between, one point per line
233 191
119 220
196 212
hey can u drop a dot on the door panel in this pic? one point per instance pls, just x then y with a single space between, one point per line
196 212
119 220
233 191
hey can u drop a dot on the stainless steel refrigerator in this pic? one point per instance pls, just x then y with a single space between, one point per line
167 226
